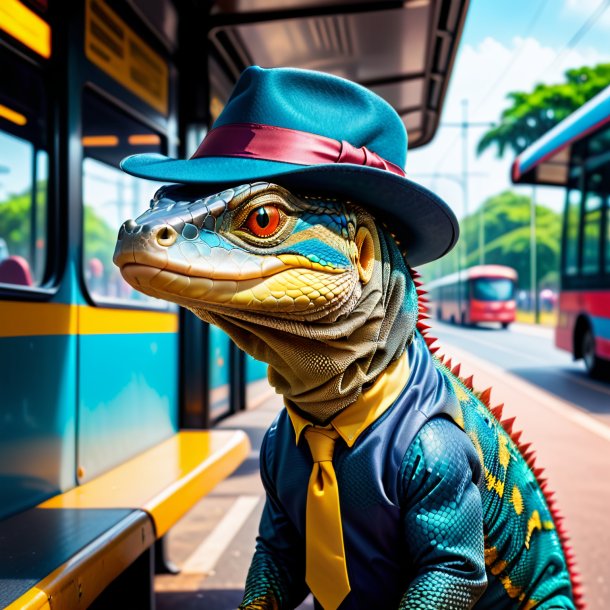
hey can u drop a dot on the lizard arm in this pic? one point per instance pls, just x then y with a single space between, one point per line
276 578
443 520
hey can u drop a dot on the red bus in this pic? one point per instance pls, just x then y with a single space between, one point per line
575 154
484 293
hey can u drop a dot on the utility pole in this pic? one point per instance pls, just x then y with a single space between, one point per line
533 259
465 154
482 234
460 180
465 125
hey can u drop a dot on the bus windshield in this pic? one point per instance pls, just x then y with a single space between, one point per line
493 289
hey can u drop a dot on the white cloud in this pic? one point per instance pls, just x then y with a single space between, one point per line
483 75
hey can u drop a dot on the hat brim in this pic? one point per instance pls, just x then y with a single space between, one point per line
421 221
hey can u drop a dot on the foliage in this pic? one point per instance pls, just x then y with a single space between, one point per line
15 227
533 113
506 221
16 219
99 238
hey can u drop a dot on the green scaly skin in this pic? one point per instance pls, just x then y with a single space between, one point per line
524 557
202 255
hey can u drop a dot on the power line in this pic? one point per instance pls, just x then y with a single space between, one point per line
531 25
572 42
576 38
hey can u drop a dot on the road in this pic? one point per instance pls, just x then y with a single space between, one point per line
563 413
529 353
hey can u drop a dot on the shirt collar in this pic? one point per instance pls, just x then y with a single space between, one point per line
369 407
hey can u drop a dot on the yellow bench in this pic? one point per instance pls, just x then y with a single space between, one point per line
64 552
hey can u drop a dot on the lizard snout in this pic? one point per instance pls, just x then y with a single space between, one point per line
164 234
168 217
173 216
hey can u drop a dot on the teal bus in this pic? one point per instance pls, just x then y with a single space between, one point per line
109 398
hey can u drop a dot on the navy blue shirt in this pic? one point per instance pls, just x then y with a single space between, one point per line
410 506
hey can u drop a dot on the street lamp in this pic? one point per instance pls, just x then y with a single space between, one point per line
533 258
462 249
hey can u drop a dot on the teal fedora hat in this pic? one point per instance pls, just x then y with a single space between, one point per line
315 134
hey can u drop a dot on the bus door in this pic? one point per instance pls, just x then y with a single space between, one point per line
37 322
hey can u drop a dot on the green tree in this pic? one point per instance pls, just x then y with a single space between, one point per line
532 114
16 229
99 238
15 223
507 240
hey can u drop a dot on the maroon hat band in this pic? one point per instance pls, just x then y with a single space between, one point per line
270 143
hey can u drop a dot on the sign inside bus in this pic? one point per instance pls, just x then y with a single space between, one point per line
115 48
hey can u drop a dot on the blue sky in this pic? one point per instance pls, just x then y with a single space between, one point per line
507 45
555 25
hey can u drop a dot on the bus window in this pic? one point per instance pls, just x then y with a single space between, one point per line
592 226
24 174
464 290
110 196
493 289
572 219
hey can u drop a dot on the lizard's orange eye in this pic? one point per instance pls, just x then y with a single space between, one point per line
263 221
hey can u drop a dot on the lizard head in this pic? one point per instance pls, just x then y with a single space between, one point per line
255 248
311 285
314 286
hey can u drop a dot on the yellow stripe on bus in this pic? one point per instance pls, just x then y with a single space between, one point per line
101 321
26 26
19 319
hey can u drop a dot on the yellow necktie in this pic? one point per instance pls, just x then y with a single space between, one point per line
326 570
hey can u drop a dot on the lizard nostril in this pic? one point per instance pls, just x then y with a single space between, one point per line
166 235
129 226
